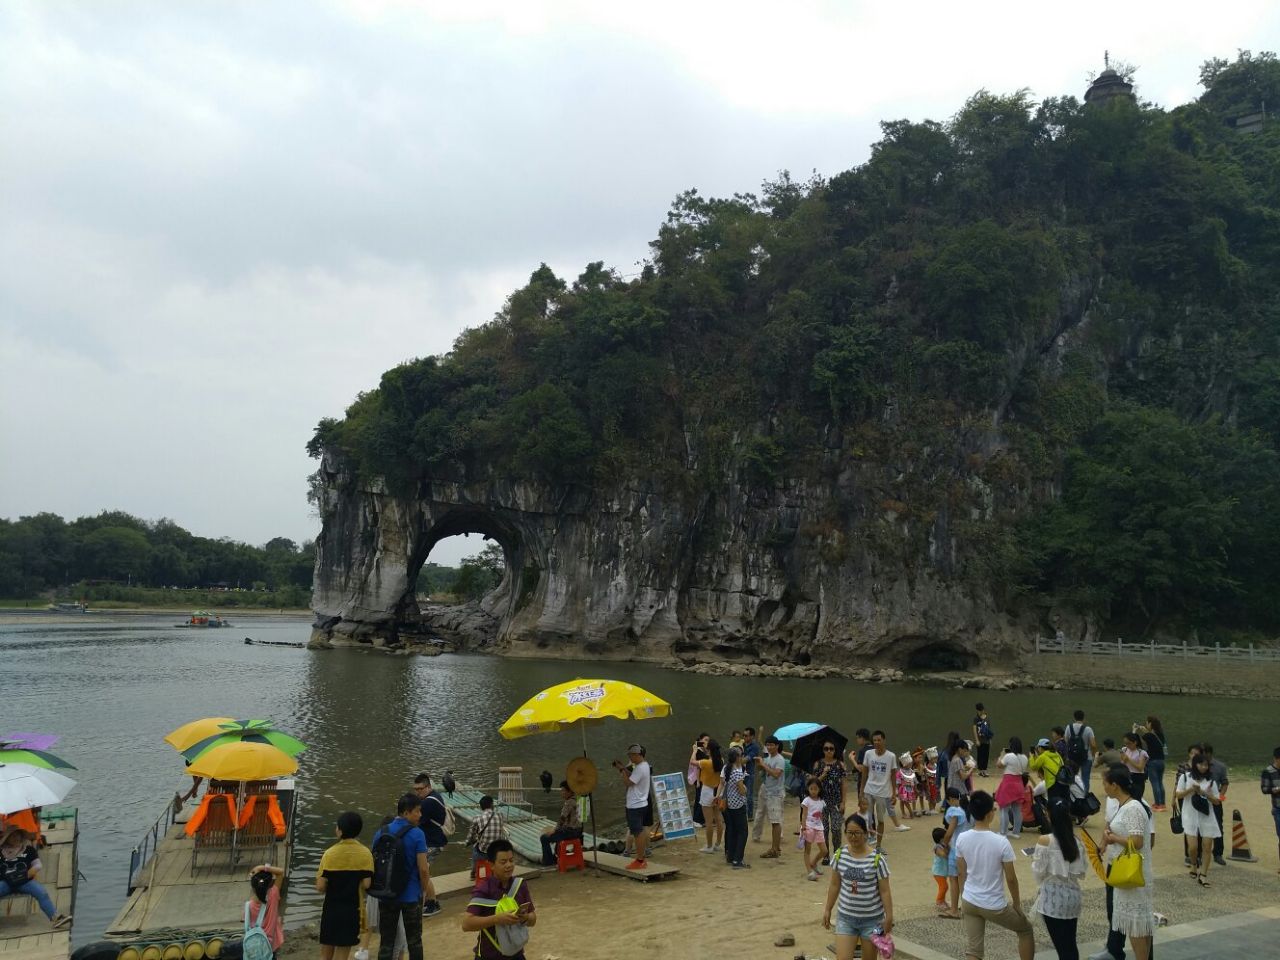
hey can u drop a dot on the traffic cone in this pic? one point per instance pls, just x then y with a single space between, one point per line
1239 843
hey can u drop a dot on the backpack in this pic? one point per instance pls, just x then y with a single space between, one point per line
390 868
984 729
509 940
256 944
447 825
1077 752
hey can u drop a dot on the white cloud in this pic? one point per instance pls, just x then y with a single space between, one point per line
218 223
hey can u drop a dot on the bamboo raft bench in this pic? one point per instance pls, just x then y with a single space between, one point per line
24 932
524 830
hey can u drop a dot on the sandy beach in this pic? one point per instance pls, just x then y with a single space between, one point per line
711 911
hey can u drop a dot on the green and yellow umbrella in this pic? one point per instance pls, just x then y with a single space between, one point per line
195 731
247 731
34 758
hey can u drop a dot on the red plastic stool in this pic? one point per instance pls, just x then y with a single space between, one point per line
569 856
484 870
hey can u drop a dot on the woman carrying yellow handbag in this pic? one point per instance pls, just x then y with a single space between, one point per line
1129 881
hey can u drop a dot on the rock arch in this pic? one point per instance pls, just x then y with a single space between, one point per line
635 571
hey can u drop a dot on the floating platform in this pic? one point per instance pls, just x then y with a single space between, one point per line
173 902
25 933
524 830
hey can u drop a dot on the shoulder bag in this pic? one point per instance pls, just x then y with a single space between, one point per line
1126 870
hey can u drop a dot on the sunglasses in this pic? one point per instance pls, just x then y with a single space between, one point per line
828 749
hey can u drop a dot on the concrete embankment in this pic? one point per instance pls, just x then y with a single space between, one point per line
1249 680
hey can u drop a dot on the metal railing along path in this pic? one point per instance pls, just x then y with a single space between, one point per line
1152 650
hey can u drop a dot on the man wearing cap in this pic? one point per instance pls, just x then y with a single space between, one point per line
772 765
636 778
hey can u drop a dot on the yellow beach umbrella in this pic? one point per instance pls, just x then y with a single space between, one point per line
243 761
195 731
584 702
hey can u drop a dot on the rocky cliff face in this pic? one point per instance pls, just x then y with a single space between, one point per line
635 573
830 567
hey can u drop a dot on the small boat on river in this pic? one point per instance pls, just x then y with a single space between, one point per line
202 618
78 606
188 876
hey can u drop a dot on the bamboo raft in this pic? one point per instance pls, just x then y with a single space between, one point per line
24 932
524 830
524 827
175 904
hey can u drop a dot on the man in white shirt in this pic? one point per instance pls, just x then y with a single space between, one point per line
636 777
984 861
877 768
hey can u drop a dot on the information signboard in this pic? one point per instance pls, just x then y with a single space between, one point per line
671 803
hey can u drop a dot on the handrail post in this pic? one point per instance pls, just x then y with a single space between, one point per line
1153 648
1184 649
1217 650
1119 646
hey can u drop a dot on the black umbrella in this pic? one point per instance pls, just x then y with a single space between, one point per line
808 749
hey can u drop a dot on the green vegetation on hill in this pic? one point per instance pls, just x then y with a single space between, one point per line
915 312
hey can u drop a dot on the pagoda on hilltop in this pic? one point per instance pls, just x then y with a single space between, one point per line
1108 84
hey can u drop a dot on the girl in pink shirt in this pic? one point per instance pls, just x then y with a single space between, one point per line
266 896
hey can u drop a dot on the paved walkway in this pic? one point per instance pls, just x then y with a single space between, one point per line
1254 933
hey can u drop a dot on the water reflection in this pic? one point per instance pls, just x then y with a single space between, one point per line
372 721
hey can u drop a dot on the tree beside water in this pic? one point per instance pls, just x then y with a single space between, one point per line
114 552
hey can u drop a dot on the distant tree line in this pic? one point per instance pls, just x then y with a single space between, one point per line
43 552
908 312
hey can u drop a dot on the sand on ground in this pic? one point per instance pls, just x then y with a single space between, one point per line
711 911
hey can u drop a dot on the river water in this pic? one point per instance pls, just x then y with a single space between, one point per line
113 687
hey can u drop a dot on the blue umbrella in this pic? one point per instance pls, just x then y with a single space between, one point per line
794 731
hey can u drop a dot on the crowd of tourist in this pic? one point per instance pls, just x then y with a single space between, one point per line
848 801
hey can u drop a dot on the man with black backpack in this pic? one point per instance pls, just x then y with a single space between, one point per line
1081 747
400 875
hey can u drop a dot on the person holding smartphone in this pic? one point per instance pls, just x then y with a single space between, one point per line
484 918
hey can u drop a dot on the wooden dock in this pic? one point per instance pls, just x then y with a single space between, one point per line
24 931
524 830
172 902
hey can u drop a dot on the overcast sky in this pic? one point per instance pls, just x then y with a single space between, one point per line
219 221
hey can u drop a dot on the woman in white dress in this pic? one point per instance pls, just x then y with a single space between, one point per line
1058 866
1130 909
1195 790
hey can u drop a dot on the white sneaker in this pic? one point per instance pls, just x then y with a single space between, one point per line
813 874
362 954
701 850
902 827
1102 955
715 848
